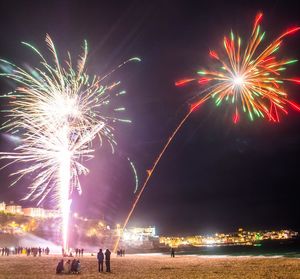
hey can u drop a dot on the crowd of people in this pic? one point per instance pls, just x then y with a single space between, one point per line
5 251
100 258
34 251
68 267
121 252
73 266
79 252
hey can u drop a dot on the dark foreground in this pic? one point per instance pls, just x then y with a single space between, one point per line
156 266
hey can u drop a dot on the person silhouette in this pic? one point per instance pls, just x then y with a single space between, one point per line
67 267
100 258
172 252
60 267
74 266
107 260
78 266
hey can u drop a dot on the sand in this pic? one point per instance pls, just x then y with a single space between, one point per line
156 266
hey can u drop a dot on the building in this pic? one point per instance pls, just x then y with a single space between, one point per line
13 208
2 206
139 237
149 231
51 213
37 212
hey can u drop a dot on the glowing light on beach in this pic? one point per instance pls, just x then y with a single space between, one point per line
58 111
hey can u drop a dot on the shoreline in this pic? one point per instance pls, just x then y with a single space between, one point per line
164 255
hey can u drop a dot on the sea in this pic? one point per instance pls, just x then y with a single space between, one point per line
289 249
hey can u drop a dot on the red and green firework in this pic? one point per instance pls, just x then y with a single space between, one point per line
251 78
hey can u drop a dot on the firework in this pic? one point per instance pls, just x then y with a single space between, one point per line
250 80
58 111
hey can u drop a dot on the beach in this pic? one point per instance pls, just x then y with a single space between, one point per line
156 266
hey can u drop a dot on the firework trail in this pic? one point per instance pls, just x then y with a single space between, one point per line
249 80
58 111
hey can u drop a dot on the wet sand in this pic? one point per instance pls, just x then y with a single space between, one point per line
155 267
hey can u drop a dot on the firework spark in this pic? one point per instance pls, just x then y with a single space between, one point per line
250 80
58 111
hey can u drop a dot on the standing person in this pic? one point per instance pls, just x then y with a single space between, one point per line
172 252
107 260
76 251
47 250
81 252
40 251
100 257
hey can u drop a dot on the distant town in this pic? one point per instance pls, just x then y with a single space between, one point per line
45 223
36 212
241 237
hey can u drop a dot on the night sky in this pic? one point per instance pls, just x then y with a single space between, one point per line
216 176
